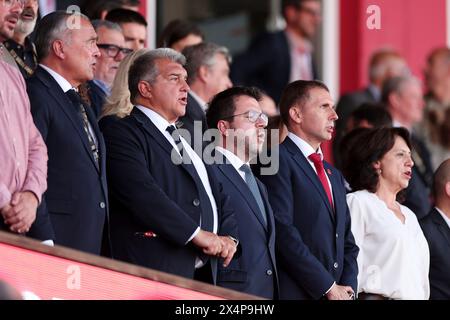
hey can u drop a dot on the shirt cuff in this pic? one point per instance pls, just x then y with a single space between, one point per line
193 235
49 243
5 195
330 288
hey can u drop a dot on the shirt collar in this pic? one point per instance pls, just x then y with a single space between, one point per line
235 161
304 146
63 83
444 216
199 100
156 118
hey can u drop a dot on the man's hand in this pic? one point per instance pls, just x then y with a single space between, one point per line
21 213
228 250
209 242
338 292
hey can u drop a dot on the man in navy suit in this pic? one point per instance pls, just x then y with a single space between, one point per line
237 115
76 198
208 70
436 228
164 213
316 250
275 59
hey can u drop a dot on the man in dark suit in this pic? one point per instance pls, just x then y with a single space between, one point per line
275 59
436 228
164 213
316 250
76 198
236 114
384 64
207 65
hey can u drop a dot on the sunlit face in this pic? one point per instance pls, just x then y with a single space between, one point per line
169 91
107 64
248 136
81 53
317 117
218 76
28 18
396 166
189 40
134 34
307 18
9 15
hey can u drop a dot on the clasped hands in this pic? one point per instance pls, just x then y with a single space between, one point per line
215 245
20 213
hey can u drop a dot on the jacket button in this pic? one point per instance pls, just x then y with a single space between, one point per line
102 205
196 202
337 236
335 265
269 272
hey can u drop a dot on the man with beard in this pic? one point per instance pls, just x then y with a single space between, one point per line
10 12
20 46
238 117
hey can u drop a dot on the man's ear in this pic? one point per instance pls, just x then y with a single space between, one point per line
295 114
203 73
223 127
145 89
58 49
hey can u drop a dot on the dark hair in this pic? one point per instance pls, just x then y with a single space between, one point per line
297 92
94 9
53 27
292 3
374 113
125 16
177 30
223 103
364 150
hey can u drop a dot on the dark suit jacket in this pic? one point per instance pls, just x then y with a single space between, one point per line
76 198
315 246
254 272
266 64
97 97
346 105
437 232
194 112
417 196
148 192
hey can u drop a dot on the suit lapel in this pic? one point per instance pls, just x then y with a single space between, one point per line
157 136
309 172
231 174
66 106
441 225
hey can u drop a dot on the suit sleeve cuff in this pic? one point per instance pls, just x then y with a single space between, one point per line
334 283
193 235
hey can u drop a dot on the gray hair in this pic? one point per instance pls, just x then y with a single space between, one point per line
203 54
52 27
97 24
144 68
396 85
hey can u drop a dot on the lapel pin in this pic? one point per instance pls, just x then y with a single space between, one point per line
329 172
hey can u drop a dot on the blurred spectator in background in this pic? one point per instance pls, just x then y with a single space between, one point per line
275 59
7 292
179 34
404 101
207 65
437 103
99 9
268 106
384 64
20 45
393 260
118 104
133 24
436 227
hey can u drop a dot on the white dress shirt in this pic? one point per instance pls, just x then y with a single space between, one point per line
394 258
234 160
199 166
307 150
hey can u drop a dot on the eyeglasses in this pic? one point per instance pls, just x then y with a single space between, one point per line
253 116
10 3
112 50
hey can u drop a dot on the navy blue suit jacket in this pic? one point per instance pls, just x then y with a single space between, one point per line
194 112
254 272
266 64
76 198
315 246
437 232
148 192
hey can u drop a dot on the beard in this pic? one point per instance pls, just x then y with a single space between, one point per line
25 27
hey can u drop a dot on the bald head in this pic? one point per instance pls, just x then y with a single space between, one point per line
441 186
